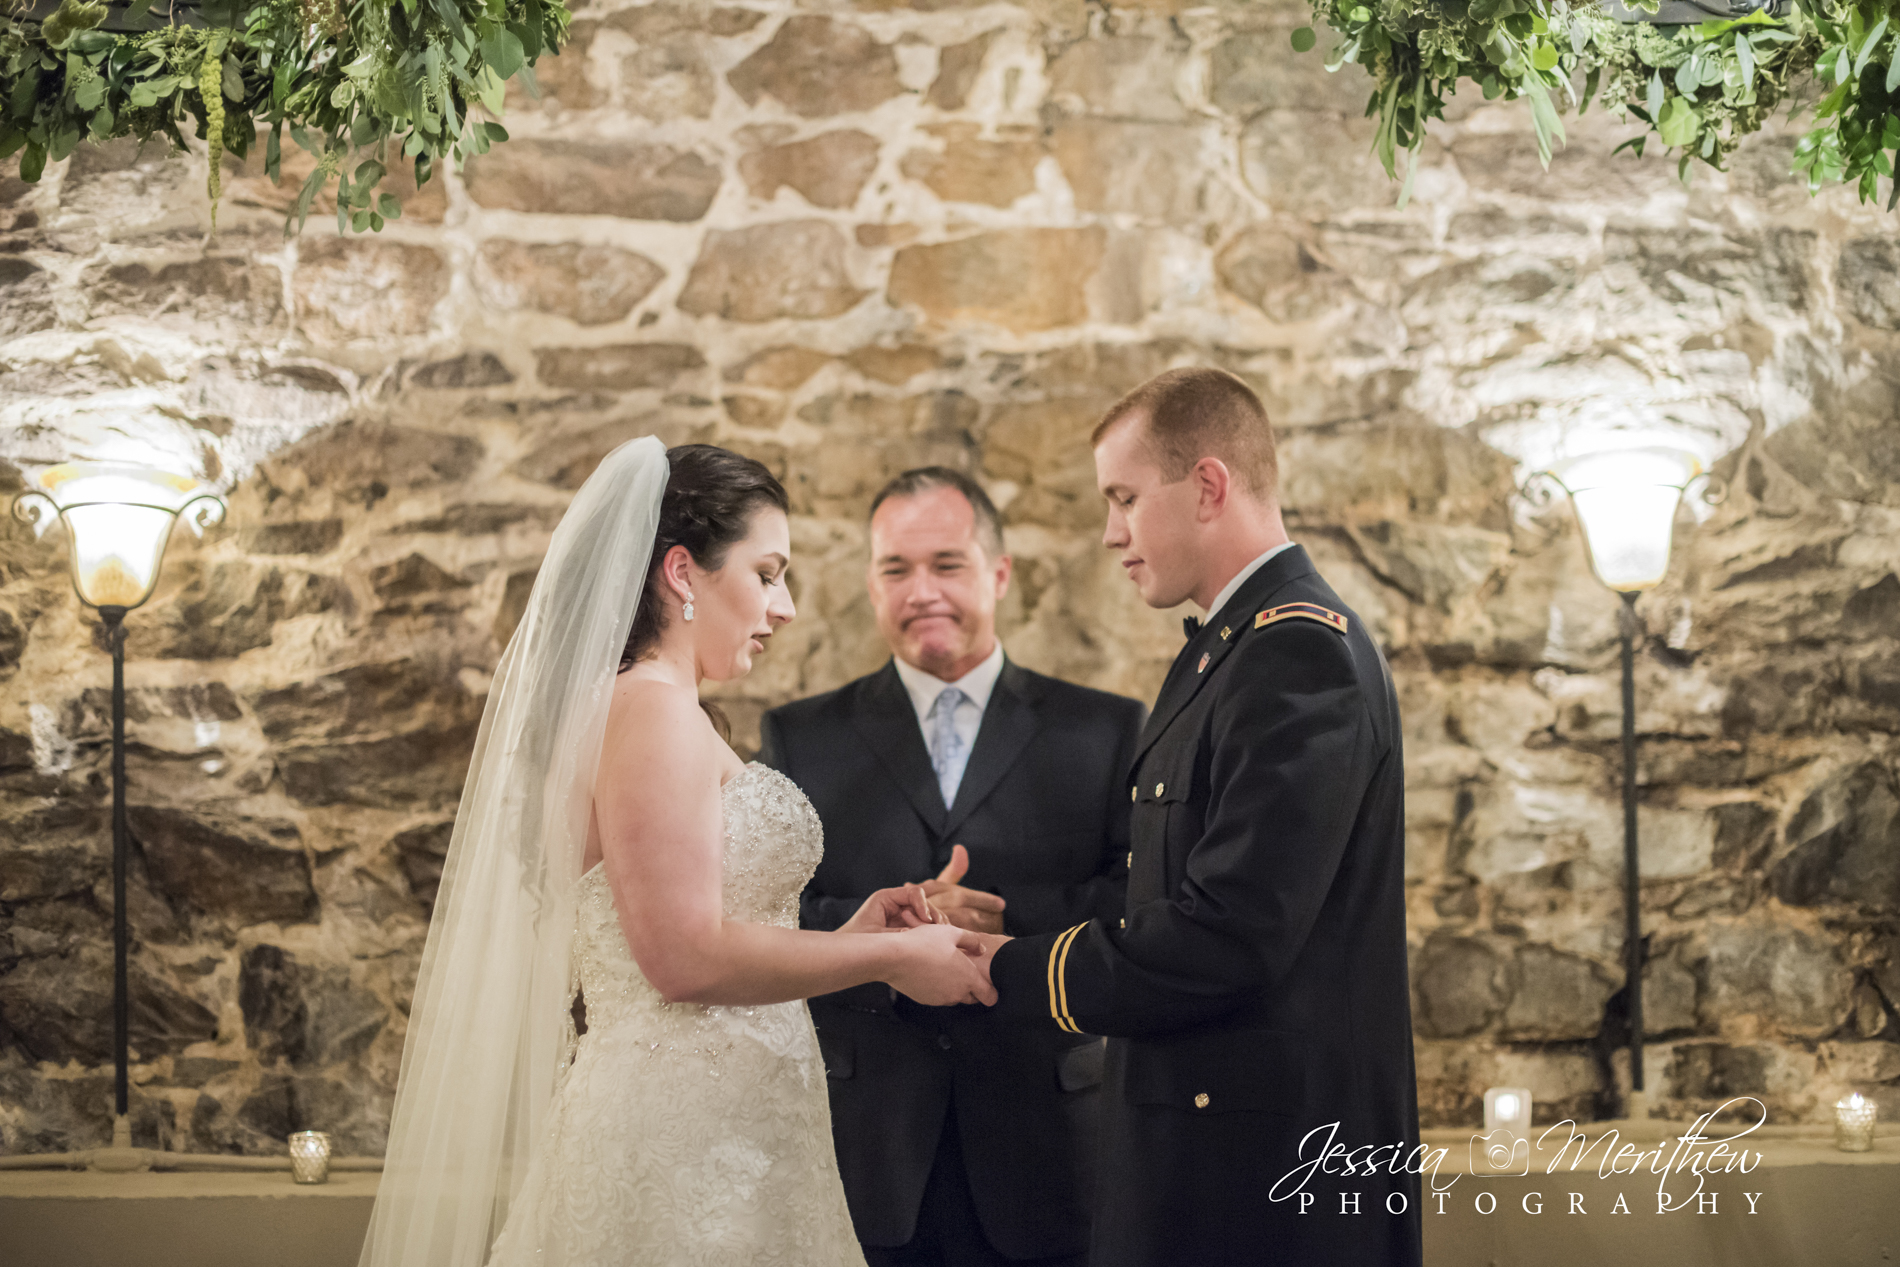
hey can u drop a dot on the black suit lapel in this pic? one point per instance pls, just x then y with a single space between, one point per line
1009 722
887 721
1187 676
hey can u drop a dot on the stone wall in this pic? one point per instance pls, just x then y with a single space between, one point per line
851 238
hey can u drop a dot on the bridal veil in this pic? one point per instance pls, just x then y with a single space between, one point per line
487 1025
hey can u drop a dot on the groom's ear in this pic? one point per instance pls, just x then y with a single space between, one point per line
1214 487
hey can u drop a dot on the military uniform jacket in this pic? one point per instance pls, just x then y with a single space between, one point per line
1255 989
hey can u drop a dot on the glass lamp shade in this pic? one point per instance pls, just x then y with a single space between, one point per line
118 520
1627 503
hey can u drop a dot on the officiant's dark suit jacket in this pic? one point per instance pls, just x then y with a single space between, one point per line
1044 814
1256 986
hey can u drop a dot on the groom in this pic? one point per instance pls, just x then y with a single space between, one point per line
1255 988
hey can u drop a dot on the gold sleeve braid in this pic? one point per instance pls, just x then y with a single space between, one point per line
1058 985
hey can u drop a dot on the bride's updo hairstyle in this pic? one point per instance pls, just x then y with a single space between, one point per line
711 496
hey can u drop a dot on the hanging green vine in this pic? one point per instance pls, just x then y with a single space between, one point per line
1697 89
363 87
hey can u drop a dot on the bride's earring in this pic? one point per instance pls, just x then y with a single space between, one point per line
686 612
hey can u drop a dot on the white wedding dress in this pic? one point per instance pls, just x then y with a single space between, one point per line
686 1134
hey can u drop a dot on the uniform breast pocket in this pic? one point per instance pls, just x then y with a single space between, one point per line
1158 826
1234 1071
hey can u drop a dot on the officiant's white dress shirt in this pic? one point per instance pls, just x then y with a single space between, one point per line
976 685
1240 577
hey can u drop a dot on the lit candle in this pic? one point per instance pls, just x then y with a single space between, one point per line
1508 1107
310 1157
1854 1123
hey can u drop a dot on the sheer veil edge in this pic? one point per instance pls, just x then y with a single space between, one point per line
489 1015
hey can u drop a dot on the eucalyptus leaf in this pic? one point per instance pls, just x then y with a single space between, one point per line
503 53
1303 39
1678 123
1745 57
1867 48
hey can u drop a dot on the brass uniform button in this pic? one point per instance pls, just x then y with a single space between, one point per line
1160 788
1131 859
1122 923
1201 1101
1225 631
1134 793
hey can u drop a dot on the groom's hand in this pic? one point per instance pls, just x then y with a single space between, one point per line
988 944
966 908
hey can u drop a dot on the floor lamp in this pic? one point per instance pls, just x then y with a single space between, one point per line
118 520
1626 501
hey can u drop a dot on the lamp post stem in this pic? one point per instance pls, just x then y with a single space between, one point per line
114 618
1632 910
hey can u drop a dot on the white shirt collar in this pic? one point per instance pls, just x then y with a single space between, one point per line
924 688
1240 577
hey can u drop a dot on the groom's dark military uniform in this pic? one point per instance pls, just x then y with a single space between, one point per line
962 1138
1256 987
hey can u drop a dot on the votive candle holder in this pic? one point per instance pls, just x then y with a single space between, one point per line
1854 1118
310 1157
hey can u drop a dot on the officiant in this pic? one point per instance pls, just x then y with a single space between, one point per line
962 1141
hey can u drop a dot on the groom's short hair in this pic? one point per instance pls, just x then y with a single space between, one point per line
922 479
1195 413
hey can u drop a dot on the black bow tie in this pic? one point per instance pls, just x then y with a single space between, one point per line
1192 624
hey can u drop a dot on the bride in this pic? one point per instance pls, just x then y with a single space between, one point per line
610 844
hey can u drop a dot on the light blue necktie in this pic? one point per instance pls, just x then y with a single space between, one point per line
946 745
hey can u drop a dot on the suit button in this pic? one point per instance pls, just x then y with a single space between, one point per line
1201 1101
943 1041
1160 788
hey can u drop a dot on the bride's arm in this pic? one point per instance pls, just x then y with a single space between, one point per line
657 805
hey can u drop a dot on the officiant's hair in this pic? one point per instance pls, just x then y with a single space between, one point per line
710 498
922 479
1195 413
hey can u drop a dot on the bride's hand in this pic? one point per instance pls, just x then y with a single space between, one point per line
941 965
892 909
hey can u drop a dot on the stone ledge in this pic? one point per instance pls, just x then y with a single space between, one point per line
87 1185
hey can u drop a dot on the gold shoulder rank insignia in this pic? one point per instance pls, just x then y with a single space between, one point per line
1300 611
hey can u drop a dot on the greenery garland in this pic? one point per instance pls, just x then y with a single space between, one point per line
362 86
1697 89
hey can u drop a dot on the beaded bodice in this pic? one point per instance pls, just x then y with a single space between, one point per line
773 841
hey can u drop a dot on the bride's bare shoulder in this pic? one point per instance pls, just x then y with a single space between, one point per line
661 724
652 705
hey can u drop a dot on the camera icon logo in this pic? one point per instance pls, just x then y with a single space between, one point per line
1500 1152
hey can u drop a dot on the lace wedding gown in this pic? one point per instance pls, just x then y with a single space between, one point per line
684 1133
